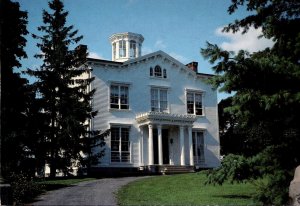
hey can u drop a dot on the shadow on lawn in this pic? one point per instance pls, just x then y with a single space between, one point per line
234 196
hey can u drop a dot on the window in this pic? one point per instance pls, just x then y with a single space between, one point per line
157 71
114 51
194 103
132 48
165 73
151 71
159 100
120 145
122 48
198 147
119 97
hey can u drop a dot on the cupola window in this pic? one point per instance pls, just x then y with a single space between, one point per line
114 51
122 48
132 48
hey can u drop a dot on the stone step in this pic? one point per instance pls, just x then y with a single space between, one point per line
170 169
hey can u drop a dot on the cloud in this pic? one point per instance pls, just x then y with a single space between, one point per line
248 41
146 50
159 44
179 57
95 55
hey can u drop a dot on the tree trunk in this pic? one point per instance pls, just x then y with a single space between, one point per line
53 165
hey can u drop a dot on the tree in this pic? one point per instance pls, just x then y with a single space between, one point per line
62 89
16 95
267 95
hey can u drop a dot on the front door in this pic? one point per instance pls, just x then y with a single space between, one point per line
165 145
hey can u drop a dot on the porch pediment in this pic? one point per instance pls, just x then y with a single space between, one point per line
165 118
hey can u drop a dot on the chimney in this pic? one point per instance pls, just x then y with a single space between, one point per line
193 66
81 47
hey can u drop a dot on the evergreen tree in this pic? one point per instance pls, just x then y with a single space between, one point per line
267 96
15 94
63 89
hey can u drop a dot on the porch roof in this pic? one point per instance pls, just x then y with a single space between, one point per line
165 118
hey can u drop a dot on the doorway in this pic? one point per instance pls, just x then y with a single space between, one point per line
165 146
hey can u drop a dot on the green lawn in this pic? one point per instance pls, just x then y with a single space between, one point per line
184 189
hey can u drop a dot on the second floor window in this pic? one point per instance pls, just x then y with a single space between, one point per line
159 100
119 97
194 103
122 48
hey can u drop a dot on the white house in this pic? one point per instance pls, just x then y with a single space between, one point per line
161 113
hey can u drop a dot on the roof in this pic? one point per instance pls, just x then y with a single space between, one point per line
147 57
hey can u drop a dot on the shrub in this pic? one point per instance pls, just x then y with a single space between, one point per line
24 188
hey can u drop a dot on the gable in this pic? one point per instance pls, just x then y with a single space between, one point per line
152 60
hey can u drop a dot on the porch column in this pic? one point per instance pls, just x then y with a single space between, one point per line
160 149
191 146
150 145
181 136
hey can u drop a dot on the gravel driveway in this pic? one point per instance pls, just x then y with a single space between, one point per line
95 192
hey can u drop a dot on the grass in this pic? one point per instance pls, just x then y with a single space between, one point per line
184 189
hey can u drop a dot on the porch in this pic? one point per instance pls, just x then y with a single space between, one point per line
167 142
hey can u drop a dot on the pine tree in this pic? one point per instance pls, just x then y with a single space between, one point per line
267 96
63 82
15 94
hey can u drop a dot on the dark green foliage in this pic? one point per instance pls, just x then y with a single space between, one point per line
24 188
234 168
16 95
264 112
271 166
90 144
64 93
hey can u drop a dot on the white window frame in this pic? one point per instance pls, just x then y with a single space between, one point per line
120 153
161 74
194 93
159 100
132 48
122 48
119 85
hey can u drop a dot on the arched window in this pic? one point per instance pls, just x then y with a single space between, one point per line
122 48
151 71
132 48
157 71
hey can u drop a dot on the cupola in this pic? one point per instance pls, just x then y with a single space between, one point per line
126 46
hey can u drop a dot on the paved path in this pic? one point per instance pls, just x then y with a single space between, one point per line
95 192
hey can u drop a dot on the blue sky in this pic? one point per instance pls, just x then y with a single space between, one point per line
177 27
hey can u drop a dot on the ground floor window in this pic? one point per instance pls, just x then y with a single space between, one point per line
198 147
120 145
